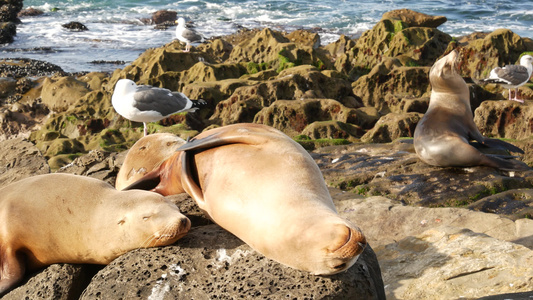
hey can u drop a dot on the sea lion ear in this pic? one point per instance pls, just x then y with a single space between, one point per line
148 182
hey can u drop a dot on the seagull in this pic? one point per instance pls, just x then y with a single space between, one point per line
187 35
512 76
145 103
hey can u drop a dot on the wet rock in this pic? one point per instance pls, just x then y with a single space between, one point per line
414 19
163 16
9 10
75 26
8 31
210 262
25 67
30 12
20 159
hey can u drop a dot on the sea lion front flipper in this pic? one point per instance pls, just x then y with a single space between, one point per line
189 179
148 182
11 271
226 138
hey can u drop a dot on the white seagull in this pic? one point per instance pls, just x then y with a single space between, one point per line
145 103
512 76
187 35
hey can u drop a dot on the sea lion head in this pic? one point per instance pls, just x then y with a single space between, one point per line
444 75
145 155
146 220
332 247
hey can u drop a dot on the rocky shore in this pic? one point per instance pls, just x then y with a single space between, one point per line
437 233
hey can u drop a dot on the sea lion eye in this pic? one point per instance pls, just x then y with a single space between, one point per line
121 222
146 218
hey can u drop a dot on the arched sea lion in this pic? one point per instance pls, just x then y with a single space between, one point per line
63 218
260 185
442 136
146 154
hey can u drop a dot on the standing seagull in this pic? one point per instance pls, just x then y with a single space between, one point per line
187 35
145 103
512 76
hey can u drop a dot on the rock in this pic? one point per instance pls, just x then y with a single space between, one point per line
445 262
514 204
211 263
62 94
56 282
22 67
30 12
75 26
9 10
391 127
387 83
332 130
292 116
504 119
20 159
162 16
451 250
98 164
414 19
394 170
479 56
8 30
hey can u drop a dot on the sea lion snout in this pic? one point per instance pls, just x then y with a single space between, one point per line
350 242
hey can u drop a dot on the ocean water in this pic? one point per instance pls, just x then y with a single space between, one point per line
117 34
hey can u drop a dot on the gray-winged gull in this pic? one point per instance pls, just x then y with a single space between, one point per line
145 103
512 76
187 35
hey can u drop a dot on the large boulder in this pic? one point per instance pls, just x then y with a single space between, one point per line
20 159
414 19
391 127
211 263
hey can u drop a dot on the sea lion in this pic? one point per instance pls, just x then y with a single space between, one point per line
146 154
260 185
64 218
442 136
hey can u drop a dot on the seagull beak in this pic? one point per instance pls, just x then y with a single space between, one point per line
176 22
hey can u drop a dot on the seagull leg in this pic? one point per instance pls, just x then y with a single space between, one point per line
515 98
145 129
188 47
510 94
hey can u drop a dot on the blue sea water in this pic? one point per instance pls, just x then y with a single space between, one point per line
117 34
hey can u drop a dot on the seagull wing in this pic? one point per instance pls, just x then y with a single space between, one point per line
511 74
161 100
191 35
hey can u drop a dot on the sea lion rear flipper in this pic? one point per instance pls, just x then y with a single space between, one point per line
495 143
148 182
507 164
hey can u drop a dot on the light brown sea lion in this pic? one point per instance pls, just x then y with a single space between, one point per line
146 154
442 136
63 218
260 185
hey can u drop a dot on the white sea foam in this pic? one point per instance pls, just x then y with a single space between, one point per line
116 32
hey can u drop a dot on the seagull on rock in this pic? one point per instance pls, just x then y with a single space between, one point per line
187 35
145 103
512 76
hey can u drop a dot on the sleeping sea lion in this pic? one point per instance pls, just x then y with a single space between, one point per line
262 186
64 218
